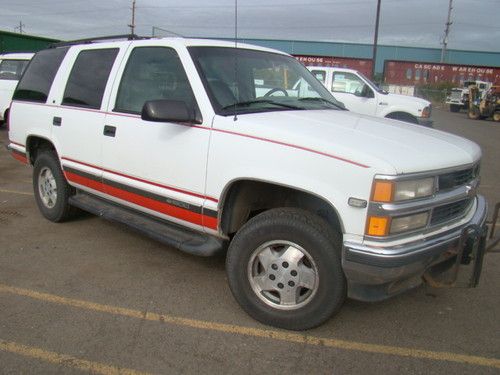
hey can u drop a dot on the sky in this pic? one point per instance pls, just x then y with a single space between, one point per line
418 23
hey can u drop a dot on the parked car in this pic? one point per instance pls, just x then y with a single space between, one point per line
361 95
12 66
312 202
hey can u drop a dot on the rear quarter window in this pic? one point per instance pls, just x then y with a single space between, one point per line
36 82
88 78
11 69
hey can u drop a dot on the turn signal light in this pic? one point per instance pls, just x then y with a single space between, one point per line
377 226
382 191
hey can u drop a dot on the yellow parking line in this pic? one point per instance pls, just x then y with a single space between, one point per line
14 192
64 359
257 332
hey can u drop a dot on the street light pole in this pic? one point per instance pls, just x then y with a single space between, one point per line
375 40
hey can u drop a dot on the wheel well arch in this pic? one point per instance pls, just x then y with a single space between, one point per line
402 116
243 199
34 144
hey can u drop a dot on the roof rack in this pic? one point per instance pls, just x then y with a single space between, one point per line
98 39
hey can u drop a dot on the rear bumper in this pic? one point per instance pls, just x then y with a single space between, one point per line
376 273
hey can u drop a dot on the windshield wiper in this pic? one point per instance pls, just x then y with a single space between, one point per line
322 100
257 101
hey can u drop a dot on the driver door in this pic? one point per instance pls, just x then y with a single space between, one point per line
356 95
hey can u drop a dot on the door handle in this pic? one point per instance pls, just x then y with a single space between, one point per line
109 131
57 121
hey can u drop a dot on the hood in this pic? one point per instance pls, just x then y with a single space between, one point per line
397 98
386 146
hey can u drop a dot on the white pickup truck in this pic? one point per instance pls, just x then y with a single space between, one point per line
361 95
12 66
313 203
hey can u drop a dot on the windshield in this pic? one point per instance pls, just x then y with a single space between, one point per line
249 81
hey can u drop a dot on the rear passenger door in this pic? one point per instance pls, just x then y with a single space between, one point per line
78 112
157 167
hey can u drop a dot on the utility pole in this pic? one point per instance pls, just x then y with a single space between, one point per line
132 24
446 31
375 40
20 27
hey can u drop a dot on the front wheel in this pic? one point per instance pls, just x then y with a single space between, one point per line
51 189
284 269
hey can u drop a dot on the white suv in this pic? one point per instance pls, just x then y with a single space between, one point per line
12 66
313 203
361 95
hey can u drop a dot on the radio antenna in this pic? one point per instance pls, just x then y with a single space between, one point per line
236 88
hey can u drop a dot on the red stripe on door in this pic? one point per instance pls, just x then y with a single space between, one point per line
161 207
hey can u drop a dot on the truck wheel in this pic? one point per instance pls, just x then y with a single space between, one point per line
51 189
474 113
455 108
284 269
496 116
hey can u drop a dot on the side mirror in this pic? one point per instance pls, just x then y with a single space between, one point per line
163 110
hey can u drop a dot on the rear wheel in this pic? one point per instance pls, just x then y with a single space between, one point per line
284 269
51 189
474 113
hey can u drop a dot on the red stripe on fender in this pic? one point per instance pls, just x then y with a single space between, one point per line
15 143
22 159
145 202
210 222
292 146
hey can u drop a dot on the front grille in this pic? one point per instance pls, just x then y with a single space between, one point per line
450 211
458 178
456 94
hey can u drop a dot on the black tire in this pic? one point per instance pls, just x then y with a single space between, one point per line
474 113
59 210
312 234
496 116
402 116
455 108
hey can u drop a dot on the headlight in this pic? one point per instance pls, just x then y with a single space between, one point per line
408 223
396 191
426 112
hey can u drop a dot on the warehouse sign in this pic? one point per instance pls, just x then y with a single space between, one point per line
413 73
362 65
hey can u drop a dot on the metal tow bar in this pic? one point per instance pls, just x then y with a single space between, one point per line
493 241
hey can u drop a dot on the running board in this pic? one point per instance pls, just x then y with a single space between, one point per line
170 234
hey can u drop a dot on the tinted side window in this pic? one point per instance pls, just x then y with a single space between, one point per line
35 84
153 73
12 69
88 78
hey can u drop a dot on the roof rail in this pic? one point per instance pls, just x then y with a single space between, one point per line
98 39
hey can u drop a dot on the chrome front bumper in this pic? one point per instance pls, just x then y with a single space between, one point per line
376 273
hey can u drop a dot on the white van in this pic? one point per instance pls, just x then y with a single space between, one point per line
12 66
361 95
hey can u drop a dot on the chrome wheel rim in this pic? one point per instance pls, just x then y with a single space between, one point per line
47 187
283 275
